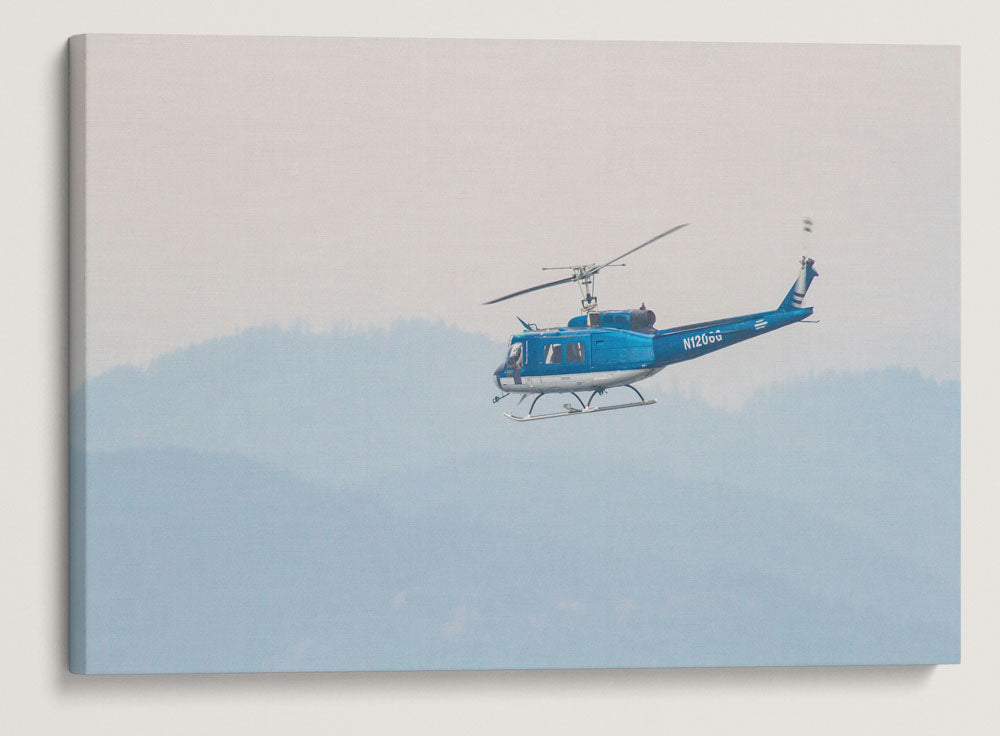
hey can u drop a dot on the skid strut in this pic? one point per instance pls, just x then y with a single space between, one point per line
585 408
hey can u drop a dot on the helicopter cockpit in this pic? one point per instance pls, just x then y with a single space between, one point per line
515 356
514 362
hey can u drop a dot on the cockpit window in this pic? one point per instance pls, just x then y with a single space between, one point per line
553 353
514 354
574 352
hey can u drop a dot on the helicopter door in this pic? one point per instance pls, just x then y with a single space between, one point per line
515 361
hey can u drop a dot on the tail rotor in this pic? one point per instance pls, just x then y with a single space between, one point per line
793 300
807 228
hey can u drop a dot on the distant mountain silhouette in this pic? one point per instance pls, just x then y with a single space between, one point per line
250 508
335 407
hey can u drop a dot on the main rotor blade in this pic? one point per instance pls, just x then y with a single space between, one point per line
595 269
533 288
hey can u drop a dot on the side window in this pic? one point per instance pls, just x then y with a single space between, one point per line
574 352
553 353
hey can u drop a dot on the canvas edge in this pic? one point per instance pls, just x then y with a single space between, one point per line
77 47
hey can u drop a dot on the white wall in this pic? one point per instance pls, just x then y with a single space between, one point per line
37 693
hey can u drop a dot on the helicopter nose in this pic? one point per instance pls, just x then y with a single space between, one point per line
496 376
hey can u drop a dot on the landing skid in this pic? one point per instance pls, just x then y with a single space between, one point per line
584 408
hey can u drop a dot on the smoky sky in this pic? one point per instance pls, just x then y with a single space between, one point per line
235 182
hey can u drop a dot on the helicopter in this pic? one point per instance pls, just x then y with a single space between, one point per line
601 350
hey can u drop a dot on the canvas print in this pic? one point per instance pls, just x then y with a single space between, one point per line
397 354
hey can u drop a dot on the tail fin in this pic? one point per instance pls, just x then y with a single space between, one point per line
793 300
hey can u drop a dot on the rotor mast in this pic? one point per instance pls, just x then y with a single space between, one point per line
584 277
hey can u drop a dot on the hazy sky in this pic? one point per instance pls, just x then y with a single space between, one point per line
234 182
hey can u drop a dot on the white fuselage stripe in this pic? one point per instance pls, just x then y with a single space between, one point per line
565 382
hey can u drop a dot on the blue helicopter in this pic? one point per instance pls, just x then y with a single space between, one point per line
600 350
